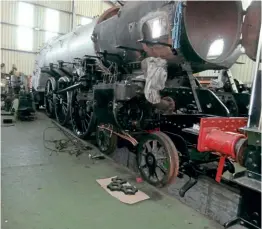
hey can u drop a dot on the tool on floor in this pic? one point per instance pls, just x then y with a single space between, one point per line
114 186
119 180
129 190
129 197
119 184
99 157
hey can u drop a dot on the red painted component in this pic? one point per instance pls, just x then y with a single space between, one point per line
220 135
152 131
220 141
220 168
217 123
139 180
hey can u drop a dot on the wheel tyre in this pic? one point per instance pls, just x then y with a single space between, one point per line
172 154
175 157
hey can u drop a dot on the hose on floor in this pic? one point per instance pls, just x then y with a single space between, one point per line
68 145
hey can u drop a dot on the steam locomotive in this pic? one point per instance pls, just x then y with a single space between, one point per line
129 75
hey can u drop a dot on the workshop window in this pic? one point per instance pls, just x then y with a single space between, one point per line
51 23
85 20
25 38
25 14
25 20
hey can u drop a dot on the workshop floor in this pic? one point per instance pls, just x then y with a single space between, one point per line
59 191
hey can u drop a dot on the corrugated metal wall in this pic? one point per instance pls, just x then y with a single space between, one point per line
23 61
242 72
9 16
89 9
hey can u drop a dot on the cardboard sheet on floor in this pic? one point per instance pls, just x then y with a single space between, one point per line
128 199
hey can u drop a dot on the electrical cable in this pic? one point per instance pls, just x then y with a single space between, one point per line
61 145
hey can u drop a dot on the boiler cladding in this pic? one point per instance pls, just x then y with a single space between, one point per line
206 34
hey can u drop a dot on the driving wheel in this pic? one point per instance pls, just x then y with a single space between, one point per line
49 97
82 116
106 140
157 159
62 107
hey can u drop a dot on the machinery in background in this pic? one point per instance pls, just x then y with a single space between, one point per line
16 94
232 92
234 95
137 84
223 81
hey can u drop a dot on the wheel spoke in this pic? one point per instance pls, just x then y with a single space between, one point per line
144 152
83 125
154 148
158 158
163 169
88 115
155 173
161 150
143 166
148 146
64 109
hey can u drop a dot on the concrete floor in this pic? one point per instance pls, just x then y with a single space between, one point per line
59 191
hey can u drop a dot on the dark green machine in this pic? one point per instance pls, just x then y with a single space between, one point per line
18 99
26 106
